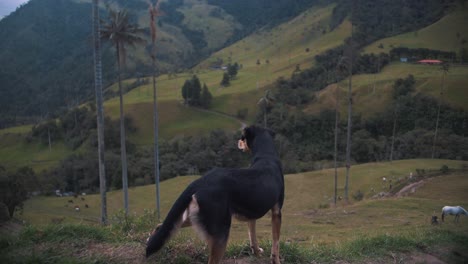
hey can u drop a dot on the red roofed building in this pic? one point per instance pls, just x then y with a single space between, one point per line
430 62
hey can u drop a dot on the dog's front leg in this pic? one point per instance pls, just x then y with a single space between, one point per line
253 238
276 228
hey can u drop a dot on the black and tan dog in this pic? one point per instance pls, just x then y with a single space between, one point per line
209 203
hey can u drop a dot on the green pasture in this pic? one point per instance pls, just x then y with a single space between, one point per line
16 130
306 193
16 151
446 34
373 92
175 119
283 46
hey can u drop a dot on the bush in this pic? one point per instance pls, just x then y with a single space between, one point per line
444 169
242 113
420 172
358 196
324 206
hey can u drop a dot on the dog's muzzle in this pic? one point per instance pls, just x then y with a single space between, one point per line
242 145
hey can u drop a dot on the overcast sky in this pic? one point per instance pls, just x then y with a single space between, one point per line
8 6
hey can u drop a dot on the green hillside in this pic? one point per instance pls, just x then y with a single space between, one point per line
373 92
246 89
306 193
284 46
448 34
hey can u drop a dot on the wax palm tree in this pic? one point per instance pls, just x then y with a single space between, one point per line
340 69
154 13
265 101
121 33
445 69
99 109
350 109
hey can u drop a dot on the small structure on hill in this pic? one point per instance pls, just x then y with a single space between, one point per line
430 62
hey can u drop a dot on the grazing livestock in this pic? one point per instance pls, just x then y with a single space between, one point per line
77 208
453 210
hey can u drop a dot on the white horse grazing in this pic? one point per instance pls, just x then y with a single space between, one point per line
453 210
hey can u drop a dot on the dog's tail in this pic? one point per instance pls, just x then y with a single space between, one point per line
170 224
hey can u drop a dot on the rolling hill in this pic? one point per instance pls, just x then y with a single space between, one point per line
447 34
273 50
291 43
308 217
47 45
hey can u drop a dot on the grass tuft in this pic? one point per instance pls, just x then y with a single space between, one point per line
65 233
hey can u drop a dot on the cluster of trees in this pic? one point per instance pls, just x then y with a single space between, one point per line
230 74
421 53
73 127
304 139
15 188
196 95
332 66
383 18
179 156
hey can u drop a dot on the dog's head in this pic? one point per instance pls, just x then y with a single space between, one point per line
249 134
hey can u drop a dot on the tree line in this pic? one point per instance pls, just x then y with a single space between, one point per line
306 141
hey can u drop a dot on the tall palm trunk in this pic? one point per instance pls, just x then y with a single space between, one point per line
156 146
153 14
123 149
395 117
445 69
350 109
99 109
337 117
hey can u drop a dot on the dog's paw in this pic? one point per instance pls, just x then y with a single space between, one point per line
258 251
275 259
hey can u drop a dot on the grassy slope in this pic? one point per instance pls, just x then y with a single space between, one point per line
441 35
291 39
370 103
16 152
288 49
305 193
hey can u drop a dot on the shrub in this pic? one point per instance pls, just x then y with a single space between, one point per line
444 169
242 113
358 196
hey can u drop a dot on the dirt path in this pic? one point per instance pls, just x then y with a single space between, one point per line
411 188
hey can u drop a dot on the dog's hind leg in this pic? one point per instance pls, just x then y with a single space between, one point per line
184 221
217 248
253 238
276 228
